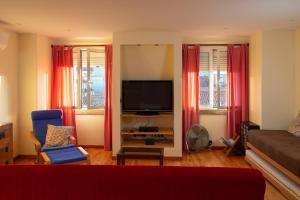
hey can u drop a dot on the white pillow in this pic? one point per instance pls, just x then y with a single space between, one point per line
58 135
294 127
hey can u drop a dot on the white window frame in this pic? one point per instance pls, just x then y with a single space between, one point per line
210 50
89 109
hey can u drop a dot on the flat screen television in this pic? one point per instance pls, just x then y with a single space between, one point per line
147 96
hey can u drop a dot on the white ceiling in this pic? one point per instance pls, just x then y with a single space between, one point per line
193 18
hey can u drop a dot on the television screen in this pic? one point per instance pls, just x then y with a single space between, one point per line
143 96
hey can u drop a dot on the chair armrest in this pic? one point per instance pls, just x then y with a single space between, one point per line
37 144
72 140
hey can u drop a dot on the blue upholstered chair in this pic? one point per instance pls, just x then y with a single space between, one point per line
40 121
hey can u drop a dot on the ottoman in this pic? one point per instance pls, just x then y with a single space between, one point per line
69 155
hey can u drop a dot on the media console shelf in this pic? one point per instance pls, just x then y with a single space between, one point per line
133 138
161 115
162 131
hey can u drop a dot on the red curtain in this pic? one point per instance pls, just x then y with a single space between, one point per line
62 93
108 98
238 88
190 88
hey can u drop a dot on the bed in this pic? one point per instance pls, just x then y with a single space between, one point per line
277 154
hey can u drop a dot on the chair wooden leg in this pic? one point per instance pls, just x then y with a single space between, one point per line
88 159
38 159
46 159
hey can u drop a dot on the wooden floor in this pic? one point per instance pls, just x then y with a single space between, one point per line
213 158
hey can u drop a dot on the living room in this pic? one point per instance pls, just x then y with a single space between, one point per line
144 75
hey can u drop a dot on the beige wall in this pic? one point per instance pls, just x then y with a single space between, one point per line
90 129
277 79
272 79
255 76
147 62
27 91
44 72
9 85
297 71
35 60
215 125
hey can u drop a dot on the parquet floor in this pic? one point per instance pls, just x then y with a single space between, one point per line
213 158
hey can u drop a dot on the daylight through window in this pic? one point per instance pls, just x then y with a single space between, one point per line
213 77
89 77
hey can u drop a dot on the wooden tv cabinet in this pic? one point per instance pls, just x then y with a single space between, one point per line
6 143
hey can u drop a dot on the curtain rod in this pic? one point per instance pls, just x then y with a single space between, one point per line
215 44
82 45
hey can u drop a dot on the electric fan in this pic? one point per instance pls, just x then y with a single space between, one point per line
197 138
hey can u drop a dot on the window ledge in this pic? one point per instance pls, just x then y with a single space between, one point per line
89 111
213 111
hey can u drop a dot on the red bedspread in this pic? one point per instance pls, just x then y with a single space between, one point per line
55 182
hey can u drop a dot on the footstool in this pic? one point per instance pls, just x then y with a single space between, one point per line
67 155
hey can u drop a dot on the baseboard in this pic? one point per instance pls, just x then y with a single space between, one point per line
171 158
24 157
217 147
91 146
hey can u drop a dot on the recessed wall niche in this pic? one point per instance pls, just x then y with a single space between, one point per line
158 58
147 62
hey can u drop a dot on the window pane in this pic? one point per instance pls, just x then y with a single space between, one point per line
215 88
223 78
204 79
97 79
84 79
223 88
75 74
213 77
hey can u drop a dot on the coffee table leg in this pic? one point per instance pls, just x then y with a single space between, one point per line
118 160
161 161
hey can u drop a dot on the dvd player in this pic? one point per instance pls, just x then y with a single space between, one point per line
148 129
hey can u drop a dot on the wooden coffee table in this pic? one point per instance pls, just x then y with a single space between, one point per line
140 153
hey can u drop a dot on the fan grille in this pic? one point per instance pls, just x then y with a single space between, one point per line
197 138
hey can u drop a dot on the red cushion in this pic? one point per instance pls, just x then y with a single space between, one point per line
128 182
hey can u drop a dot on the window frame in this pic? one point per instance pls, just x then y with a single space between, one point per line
211 70
79 109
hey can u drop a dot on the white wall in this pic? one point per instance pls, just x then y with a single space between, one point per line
144 38
9 85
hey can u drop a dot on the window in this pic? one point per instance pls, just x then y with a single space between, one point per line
89 77
213 77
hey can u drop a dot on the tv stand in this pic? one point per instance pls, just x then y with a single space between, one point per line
147 131
147 113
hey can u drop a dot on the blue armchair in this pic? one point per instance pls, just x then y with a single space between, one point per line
40 121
